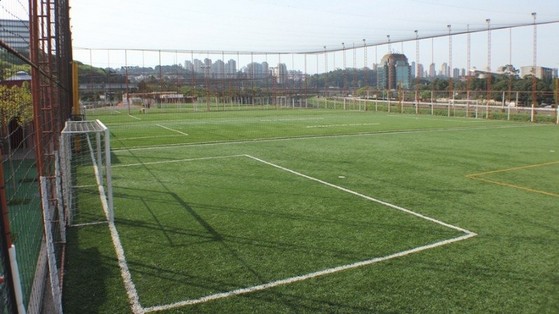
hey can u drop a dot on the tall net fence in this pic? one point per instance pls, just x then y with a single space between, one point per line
139 81
35 101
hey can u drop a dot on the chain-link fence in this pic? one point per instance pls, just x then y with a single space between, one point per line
35 94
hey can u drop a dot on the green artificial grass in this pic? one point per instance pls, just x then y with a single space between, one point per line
198 215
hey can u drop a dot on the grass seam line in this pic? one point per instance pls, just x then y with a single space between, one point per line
518 187
473 175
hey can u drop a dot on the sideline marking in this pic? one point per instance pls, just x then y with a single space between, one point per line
173 130
134 117
129 285
468 234
478 176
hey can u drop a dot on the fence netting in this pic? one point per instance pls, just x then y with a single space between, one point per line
35 93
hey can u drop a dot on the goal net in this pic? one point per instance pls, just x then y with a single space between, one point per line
86 172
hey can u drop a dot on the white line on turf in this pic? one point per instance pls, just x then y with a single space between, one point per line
304 277
290 119
311 137
89 224
173 130
146 137
468 234
360 195
339 125
131 116
175 161
129 286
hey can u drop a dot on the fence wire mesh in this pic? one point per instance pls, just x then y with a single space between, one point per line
34 102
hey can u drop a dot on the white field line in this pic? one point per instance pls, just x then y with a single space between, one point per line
131 116
293 119
442 118
172 130
89 224
84 186
130 125
131 291
311 137
468 234
129 286
362 195
304 277
339 125
145 137
175 161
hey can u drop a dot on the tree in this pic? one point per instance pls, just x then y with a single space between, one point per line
15 103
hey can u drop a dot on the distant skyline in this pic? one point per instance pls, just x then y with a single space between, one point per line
269 26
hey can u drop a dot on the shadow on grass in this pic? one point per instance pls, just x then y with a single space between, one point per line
91 281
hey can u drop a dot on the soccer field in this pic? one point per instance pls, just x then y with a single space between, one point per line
277 211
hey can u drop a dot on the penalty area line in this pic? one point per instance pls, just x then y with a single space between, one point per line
170 129
467 234
362 195
291 280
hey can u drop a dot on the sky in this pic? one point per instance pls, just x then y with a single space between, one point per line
232 29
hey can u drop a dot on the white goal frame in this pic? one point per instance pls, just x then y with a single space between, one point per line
101 160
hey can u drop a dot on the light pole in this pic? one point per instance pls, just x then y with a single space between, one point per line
488 79
417 74
344 65
534 64
450 70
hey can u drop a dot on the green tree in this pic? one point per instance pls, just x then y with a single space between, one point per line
15 103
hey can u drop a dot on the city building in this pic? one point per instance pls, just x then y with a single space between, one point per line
15 33
394 72
444 72
541 73
280 73
420 71
432 72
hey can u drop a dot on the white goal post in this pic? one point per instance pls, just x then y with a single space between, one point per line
86 163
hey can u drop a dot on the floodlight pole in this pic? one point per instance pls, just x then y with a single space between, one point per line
534 64
450 72
417 74
344 67
489 75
